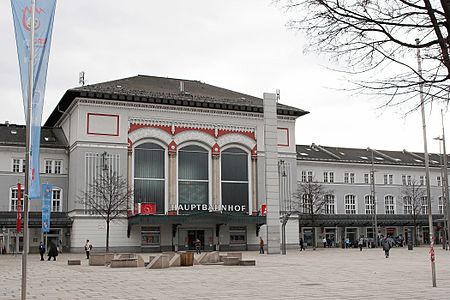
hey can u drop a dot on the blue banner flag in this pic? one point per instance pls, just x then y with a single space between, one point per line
43 26
47 190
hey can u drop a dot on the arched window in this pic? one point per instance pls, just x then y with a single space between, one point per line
350 204
149 175
234 169
389 205
192 175
368 200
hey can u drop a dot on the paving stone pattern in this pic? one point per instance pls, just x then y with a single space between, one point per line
320 274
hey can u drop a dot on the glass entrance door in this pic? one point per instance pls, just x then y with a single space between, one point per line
193 235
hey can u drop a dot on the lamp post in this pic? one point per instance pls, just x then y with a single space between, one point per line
284 204
427 167
443 197
445 181
372 194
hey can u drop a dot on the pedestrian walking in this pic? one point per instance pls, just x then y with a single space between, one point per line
387 245
197 245
52 251
324 241
261 246
347 243
301 244
87 248
360 243
41 250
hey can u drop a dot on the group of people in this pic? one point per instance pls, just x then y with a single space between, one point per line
53 250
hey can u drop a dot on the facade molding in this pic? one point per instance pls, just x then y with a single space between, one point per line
150 132
234 138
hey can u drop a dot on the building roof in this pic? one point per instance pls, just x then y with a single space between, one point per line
15 135
315 152
170 91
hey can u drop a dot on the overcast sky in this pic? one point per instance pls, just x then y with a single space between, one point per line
239 45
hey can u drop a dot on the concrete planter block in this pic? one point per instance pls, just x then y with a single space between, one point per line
74 262
235 254
175 261
124 263
213 257
97 260
159 262
248 262
231 261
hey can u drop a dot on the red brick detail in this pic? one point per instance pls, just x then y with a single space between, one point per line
254 152
246 133
130 146
134 127
181 129
172 147
215 150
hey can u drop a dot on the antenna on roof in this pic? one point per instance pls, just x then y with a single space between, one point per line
278 94
81 78
181 87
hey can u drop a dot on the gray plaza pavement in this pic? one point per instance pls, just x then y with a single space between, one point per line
320 274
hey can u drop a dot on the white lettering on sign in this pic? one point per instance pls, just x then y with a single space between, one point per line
209 207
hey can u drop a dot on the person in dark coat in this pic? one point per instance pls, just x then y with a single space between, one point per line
52 251
301 244
387 245
198 246
41 250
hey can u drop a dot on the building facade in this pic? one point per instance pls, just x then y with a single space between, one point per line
346 176
203 163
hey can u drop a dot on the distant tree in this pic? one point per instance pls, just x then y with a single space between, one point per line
107 196
413 195
310 200
373 42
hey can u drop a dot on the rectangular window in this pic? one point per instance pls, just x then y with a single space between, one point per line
404 179
441 206
409 179
388 179
391 179
352 177
18 165
407 205
438 179
53 166
56 200
328 177
424 208
366 178
346 177
48 166
150 236
14 199
422 180
303 176
310 176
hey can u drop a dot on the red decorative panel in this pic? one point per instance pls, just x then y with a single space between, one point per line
246 133
172 147
215 150
283 136
134 127
181 129
102 124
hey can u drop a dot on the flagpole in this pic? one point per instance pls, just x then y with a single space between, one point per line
27 153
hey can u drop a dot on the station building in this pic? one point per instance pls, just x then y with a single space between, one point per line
192 151
197 159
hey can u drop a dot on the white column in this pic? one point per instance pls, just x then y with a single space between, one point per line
271 173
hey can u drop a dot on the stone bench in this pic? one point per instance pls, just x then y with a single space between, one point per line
158 262
100 259
231 261
124 263
247 262
74 262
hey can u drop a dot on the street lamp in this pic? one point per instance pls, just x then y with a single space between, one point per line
427 166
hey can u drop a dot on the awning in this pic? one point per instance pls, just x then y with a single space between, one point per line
197 218
363 220
57 219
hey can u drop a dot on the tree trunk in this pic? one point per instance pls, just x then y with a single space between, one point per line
313 223
107 235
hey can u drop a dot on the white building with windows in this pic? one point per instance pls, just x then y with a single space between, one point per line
200 166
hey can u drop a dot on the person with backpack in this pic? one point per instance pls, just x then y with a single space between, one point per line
87 248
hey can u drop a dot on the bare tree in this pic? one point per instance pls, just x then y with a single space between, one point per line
413 197
107 196
310 200
374 40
